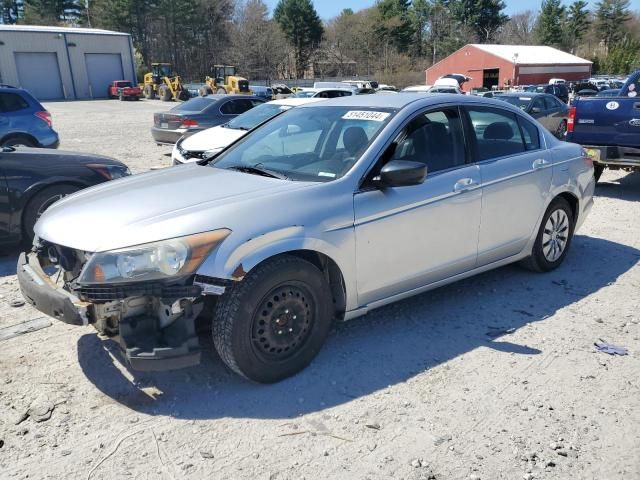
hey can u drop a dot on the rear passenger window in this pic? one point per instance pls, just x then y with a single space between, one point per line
550 103
497 133
12 102
530 133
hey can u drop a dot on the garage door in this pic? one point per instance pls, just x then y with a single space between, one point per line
102 69
40 74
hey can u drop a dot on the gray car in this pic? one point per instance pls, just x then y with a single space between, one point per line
322 214
549 110
199 114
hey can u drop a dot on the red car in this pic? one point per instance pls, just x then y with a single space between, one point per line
123 90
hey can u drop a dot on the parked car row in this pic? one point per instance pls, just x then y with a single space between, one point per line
276 230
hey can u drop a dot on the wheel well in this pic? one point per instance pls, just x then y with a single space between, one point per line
9 136
35 192
573 203
332 273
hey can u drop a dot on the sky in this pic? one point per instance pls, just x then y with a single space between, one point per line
330 8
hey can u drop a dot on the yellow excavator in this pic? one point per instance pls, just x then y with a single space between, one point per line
223 81
164 83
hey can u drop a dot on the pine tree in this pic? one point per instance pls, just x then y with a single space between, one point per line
549 28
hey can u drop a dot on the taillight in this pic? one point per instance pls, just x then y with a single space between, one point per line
188 122
571 120
45 117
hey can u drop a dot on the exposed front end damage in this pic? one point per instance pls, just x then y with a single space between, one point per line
154 322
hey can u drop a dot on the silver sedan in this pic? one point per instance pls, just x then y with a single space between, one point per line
324 213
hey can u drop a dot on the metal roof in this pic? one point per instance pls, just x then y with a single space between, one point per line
45 29
531 54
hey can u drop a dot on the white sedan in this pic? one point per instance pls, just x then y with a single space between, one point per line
208 142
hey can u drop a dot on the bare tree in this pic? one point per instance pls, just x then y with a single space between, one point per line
519 30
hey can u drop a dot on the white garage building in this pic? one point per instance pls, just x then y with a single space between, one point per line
56 63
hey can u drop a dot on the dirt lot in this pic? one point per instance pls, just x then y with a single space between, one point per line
495 377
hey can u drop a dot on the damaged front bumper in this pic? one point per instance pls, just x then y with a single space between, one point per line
153 323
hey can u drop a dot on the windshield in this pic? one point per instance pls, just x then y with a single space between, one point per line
318 145
520 102
256 116
124 84
305 94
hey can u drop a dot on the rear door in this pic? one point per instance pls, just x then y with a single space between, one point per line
13 108
516 177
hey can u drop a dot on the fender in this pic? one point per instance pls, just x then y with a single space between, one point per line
234 261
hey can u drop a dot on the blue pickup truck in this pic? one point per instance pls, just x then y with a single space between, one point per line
609 128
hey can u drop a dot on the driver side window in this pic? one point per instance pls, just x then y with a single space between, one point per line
434 138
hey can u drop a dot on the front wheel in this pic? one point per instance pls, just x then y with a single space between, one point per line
273 323
553 239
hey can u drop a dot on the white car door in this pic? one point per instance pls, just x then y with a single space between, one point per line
408 237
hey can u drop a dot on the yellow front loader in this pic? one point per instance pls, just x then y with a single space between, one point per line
225 80
163 83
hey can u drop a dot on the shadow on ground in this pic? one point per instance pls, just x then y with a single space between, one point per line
386 347
9 261
624 188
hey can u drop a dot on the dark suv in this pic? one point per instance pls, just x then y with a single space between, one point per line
558 90
24 121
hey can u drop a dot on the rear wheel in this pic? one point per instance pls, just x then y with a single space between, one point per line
40 202
19 141
554 237
221 91
204 91
149 93
272 324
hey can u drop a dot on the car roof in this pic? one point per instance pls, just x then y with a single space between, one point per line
524 94
295 101
225 96
403 99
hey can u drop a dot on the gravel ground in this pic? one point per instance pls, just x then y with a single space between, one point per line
495 377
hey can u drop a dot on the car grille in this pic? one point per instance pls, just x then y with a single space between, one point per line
189 154
110 293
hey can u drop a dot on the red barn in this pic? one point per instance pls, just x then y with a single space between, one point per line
501 65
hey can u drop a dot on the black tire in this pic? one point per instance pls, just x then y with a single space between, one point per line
538 262
149 93
597 172
221 91
183 95
39 203
561 131
165 94
264 307
19 141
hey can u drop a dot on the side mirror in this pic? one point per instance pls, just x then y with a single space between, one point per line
402 173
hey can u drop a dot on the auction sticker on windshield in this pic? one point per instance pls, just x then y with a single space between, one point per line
365 115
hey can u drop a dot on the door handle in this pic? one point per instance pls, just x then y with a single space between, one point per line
539 163
463 185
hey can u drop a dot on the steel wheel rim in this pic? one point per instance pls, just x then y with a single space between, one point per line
283 322
555 235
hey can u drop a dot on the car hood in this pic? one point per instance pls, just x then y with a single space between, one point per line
214 138
27 153
155 206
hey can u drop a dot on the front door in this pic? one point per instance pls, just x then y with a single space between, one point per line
408 237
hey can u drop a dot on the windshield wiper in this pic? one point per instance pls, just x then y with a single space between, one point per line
256 170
